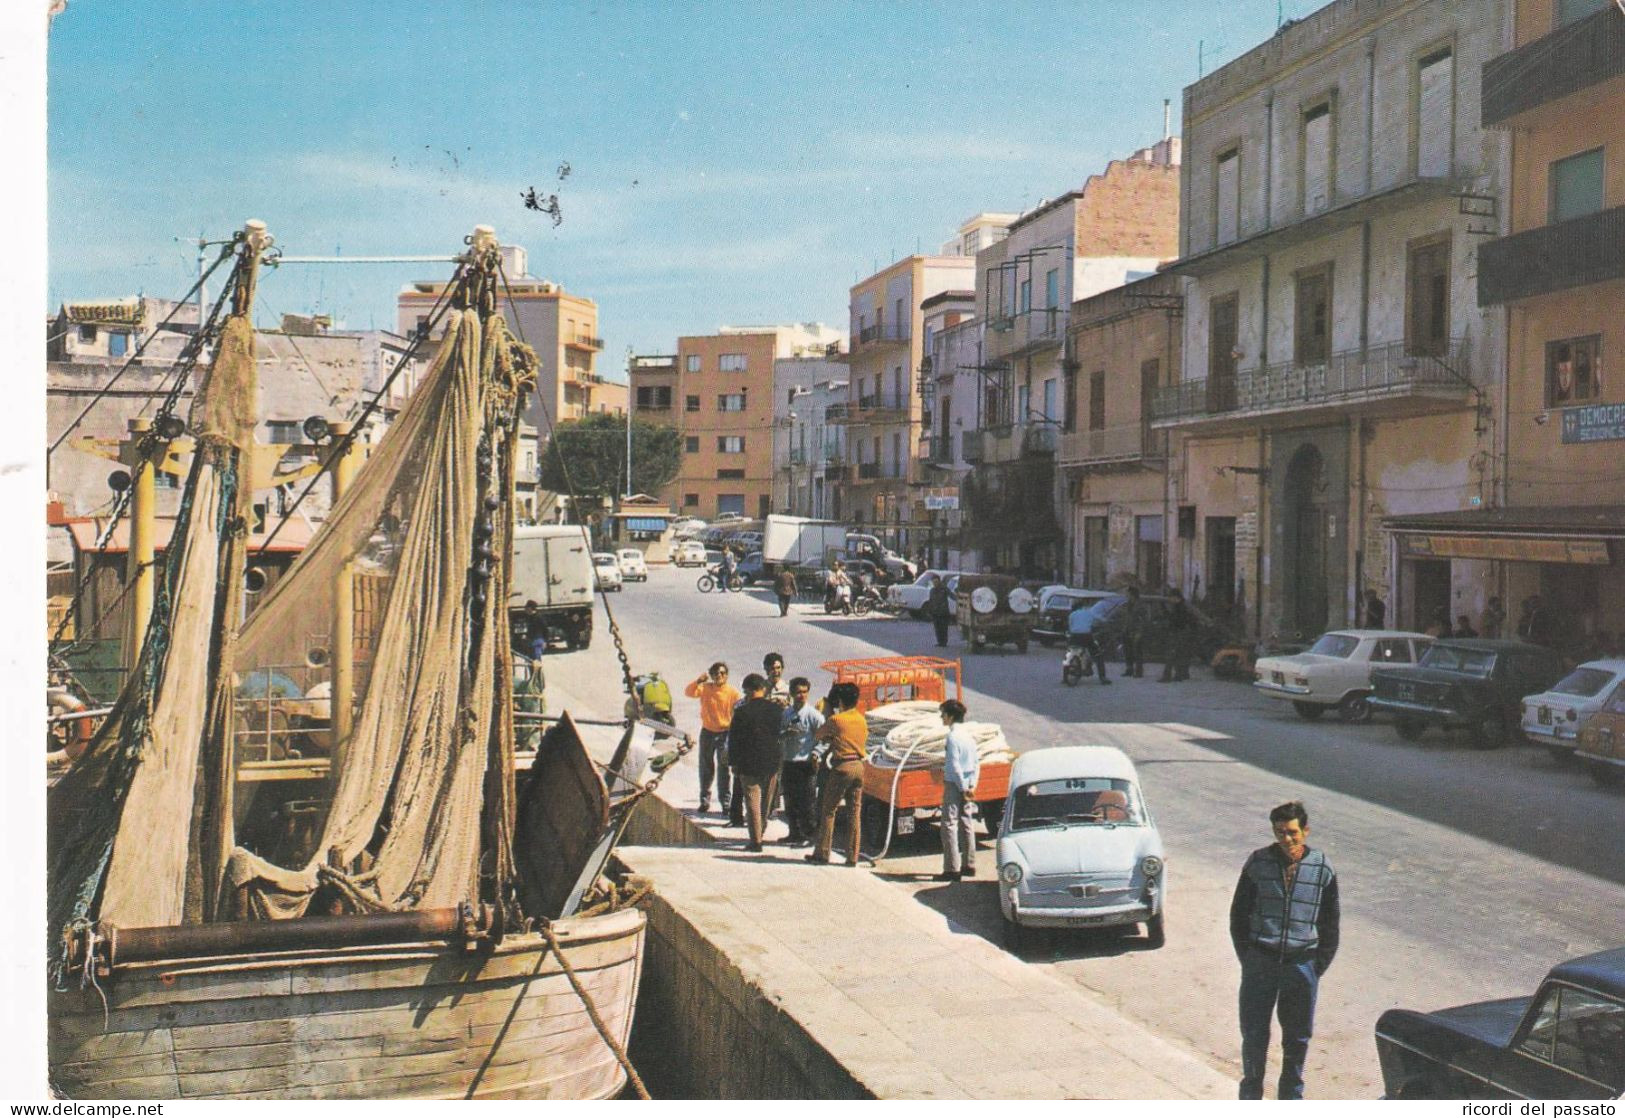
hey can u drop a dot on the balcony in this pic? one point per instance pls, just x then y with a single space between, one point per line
1384 380
971 446
1041 438
881 333
868 471
1104 446
1572 253
585 341
1027 332
798 457
1583 54
878 409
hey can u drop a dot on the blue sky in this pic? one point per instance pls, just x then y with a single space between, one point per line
729 163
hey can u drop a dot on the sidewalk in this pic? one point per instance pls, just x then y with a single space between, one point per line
909 1003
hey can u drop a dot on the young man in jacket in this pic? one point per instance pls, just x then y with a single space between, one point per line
784 585
798 737
1181 633
755 754
960 768
846 731
939 607
1284 924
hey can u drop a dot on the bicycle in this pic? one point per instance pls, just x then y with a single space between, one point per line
710 581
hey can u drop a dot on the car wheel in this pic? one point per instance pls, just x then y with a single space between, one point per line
1489 732
1606 775
1308 711
1559 754
1355 708
1155 934
1409 728
1015 936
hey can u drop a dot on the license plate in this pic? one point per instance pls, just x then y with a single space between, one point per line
1277 677
905 824
1406 691
1545 715
1079 920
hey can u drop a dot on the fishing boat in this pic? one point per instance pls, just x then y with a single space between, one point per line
427 927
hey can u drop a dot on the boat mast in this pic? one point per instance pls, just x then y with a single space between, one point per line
138 562
342 702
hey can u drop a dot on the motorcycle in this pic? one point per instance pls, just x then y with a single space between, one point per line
1076 665
712 580
869 598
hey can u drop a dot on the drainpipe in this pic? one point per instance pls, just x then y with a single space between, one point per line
1370 106
1365 287
1359 546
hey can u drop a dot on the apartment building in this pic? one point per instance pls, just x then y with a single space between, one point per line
1337 367
1558 94
808 451
1119 226
951 375
718 391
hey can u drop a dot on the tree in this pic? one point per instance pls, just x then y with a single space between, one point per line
587 457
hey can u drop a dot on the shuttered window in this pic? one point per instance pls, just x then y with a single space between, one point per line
1435 115
1576 185
1097 400
1227 196
1317 158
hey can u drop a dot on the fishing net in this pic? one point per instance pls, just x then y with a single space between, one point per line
424 781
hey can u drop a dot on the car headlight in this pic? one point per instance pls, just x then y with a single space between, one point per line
1010 873
1574 715
1301 680
1151 865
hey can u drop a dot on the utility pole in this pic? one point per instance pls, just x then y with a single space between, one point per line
631 397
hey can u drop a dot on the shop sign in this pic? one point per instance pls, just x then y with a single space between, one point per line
934 503
1247 531
1517 549
1596 423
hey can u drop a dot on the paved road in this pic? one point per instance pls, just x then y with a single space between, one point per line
1465 874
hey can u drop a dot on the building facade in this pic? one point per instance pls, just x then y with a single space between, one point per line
808 450
1337 368
951 377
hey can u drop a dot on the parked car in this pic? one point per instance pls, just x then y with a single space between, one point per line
1335 673
993 609
1566 1042
633 566
817 575
1077 847
1475 683
1107 621
1055 606
1602 740
744 542
1553 718
686 526
689 553
752 570
912 596
608 570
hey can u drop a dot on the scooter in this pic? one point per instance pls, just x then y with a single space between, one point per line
870 599
1076 665
838 599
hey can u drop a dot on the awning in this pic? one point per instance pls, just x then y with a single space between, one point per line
1576 534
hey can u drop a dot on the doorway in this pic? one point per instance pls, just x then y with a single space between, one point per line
1224 333
1221 562
1430 592
1305 542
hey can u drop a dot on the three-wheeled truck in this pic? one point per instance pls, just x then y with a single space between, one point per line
993 609
896 799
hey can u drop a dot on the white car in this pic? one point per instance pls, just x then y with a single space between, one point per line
608 570
1335 674
632 564
1553 718
912 596
1077 847
689 553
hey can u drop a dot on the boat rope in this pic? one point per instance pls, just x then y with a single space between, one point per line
593 1015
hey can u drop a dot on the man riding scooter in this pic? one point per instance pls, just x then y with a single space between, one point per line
1081 643
838 591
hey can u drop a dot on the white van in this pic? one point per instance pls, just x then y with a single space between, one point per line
550 591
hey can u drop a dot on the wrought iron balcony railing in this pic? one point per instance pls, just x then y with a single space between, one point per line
1123 443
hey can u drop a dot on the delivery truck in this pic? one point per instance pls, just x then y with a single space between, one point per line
550 593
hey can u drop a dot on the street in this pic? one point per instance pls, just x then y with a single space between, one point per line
1465 874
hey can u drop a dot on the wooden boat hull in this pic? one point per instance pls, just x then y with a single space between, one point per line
413 1020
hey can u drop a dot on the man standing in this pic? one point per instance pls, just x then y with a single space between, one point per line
847 733
755 753
717 698
1284 923
1376 612
800 742
1133 634
939 607
730 568
773 670
784 585
1177 667
960 767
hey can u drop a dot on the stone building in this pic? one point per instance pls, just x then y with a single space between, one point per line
951 378
808 450
1337 367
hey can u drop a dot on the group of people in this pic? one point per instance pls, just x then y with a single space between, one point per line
1536 624
1181 623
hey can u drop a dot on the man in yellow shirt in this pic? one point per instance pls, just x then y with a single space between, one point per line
847 736
717 700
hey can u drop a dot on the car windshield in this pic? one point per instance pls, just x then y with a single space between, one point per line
1105 608
603 559
1340 645
1086 801
1453 658
1584 682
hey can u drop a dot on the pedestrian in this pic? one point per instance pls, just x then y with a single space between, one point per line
784 585
1133 634
535 631
846 733
730 567
1440 625
773 670
1080 634
1177 667
939 607
800 743
756 755
1464 627
961 766
717 698
1284 923
1376 611
1495 618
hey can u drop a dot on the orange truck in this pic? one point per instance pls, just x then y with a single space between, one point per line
903 799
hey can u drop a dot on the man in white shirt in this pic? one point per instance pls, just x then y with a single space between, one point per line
799 736
961 766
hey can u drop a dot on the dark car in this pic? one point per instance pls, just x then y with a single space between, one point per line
1055 610
1108 620
1479 684
751 569
1566 1042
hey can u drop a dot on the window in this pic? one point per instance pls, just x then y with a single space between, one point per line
1094 550
1572 11
656 397
896 463
1391 652
1097 400
1148 549
1052 288
692 364
731 362
1435 114
1573 370
1576 188
691 403
691 444
1026 295
1071 421
423 326
732 474
1227 197
1312 334
118 343
1024 400
731 401
1580 1031
1427 299
730 502
87 332
690 499
902 320
896 400
1049 398
1317 158
731 444
284 431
